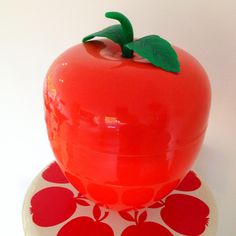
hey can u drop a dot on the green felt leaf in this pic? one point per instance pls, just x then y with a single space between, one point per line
156 50
114 33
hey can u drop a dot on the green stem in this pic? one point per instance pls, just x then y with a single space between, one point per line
128 34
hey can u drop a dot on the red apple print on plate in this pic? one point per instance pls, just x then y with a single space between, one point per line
190 183
86 226
185 214
54 174
53 205
142 227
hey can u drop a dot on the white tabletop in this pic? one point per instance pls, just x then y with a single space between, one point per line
33 33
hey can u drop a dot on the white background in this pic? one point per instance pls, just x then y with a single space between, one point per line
33 33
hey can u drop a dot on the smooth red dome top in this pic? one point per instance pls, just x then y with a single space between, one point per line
102 102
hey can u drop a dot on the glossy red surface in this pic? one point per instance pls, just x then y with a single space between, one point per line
123 131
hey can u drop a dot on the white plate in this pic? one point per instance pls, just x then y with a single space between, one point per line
53 207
